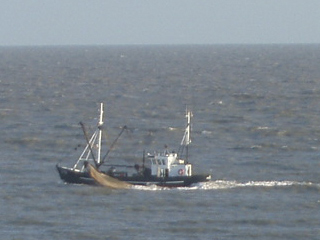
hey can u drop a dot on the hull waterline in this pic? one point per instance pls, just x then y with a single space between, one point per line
72 176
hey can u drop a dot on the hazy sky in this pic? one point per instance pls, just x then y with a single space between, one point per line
103 22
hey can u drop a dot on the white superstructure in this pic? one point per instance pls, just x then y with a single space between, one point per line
169 164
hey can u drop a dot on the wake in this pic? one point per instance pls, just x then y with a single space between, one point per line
221 184
224 184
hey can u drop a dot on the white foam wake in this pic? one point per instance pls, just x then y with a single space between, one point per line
224 184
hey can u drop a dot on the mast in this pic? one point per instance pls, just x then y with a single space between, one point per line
186 140
89 144
93 147
100 125
188 132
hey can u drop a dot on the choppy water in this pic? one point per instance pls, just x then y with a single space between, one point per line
256 128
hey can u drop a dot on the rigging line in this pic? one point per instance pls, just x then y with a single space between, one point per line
112 145
88 143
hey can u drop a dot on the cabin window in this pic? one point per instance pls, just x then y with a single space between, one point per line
159 162
163 162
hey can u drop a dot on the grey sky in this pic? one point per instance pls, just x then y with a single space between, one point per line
103 22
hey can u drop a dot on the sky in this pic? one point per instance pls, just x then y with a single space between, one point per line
131 22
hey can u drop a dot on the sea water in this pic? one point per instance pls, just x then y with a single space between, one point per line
255 129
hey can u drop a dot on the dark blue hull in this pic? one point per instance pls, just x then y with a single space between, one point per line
69 175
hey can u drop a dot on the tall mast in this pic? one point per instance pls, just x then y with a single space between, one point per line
188 132
100 125
186 140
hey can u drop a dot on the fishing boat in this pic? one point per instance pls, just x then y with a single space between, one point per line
164 168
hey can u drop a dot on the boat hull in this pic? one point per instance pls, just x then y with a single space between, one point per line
73 176
69 175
